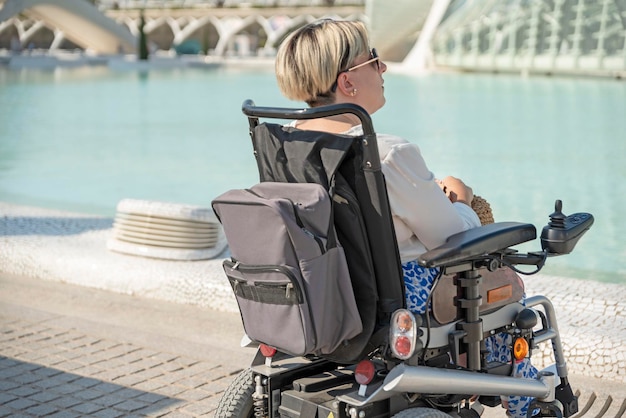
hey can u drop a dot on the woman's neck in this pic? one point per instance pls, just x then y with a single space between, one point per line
334 124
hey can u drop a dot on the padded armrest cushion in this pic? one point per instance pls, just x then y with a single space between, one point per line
478 242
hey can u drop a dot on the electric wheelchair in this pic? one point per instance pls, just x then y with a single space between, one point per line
401 364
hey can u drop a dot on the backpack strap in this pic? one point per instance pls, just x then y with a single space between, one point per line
331 234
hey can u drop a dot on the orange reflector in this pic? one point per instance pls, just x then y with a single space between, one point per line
403 334
520 349
267 351
364 372
499 293
404 322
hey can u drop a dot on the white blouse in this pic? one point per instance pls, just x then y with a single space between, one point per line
423 216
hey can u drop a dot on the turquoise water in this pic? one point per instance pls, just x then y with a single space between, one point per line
83 139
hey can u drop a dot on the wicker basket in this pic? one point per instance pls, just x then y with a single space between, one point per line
483 210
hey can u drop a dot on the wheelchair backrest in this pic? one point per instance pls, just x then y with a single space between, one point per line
349 168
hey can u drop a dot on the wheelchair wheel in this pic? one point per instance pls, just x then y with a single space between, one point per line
421 413
236 402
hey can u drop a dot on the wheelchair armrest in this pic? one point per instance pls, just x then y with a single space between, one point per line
478 242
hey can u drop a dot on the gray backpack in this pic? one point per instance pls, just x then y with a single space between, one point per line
288 272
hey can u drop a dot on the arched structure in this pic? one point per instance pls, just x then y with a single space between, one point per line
77 20
224 32
216 31
556 36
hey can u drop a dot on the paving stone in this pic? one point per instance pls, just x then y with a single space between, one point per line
6 397
44 397
50 360
87 407
160 408
200 408
9 372
109 400
26 378
194 382
109 375
6 411
64 414
128 393
178 414
69 365
42 410
194 395
106 387
151 385
151 373
47 372
20 403
17 414
87 394
66 401
107 413
86 382
172 366
57 380
6 385
150 398
25 390
130 380
130 405
24 367
66 388
88 370
171 390
69 354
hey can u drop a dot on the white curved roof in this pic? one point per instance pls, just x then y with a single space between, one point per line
80 21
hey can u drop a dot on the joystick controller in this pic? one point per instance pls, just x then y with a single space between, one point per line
563 232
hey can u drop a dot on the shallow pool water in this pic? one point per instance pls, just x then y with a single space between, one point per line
83 139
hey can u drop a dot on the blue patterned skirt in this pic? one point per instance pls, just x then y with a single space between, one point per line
418 282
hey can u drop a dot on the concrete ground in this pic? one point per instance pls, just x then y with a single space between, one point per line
88 332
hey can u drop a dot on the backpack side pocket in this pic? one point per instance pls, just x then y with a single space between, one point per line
271 298
335 314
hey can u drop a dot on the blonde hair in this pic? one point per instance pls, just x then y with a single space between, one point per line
310 59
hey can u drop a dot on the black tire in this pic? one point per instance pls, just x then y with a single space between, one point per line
421 413
236 402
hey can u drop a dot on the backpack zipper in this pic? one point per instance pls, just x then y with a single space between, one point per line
301 225
291 286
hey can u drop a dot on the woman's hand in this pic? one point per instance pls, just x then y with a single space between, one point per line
456 190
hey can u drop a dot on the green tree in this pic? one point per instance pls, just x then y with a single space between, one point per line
143 41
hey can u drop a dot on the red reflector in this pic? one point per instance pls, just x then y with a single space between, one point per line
267 351
403 346
364 372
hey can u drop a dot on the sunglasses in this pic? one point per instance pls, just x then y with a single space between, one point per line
374 59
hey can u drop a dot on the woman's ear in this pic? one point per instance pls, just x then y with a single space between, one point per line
345 85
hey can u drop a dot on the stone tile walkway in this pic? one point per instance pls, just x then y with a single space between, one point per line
55 364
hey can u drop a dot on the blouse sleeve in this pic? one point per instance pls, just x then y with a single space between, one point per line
419 206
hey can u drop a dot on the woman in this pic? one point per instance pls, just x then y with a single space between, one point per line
330 62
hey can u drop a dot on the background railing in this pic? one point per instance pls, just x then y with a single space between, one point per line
157 4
